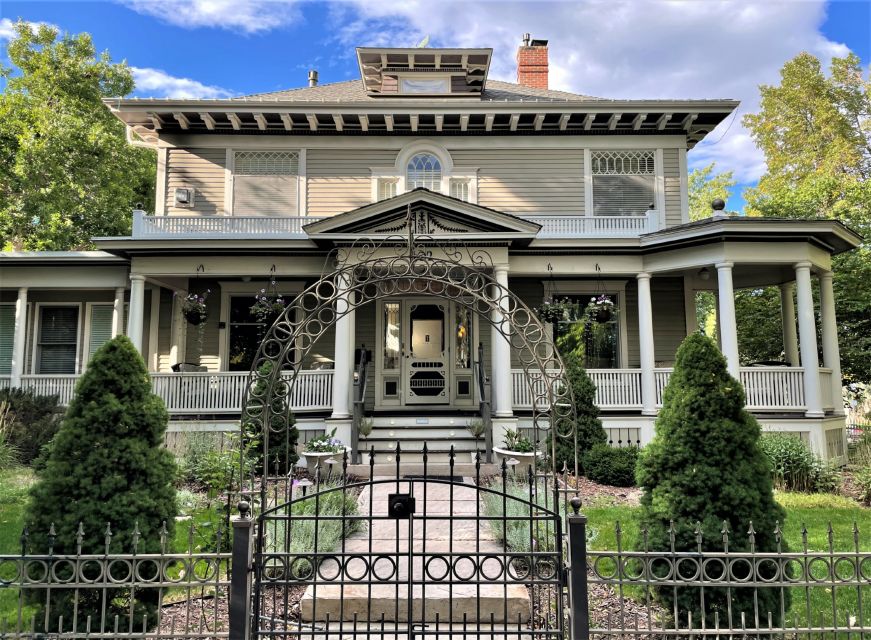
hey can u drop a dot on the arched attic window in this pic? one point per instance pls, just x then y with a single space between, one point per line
424 170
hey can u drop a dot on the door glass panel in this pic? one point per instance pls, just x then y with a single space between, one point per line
463 335
427 331
391 335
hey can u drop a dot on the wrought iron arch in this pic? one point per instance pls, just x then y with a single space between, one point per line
368 271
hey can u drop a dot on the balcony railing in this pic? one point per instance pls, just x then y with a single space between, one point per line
768 389
199 393
146 227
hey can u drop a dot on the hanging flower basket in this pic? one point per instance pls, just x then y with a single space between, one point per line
268 303
556 311
601 308
193 307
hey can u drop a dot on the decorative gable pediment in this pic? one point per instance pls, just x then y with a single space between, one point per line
429 213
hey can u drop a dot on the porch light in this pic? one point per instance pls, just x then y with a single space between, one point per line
704 273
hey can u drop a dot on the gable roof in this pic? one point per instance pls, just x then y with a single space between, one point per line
355 91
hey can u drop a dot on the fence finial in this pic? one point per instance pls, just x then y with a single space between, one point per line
244 509
576 504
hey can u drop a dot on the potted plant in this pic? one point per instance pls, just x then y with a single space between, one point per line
478 429
193 307
366 426
268 305
601 308
518 450
320 449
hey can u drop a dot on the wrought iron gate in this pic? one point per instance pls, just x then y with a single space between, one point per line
406 557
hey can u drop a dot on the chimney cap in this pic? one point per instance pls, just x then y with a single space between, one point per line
538 43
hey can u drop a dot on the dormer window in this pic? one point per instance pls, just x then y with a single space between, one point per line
425 85
424 170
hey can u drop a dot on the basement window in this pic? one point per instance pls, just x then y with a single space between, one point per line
624 182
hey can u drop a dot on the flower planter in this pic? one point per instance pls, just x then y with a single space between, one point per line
525 458
603 315
194 317
315 458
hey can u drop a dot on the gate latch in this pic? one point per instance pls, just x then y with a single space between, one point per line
400 505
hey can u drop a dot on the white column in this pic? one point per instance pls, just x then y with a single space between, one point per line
500 363
136 314
831 355
727 321
646 346
807 331
18 340
344 354
118 312
787 316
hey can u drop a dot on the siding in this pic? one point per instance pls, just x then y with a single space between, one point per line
339 180
530 181
669 321
671 173
202 169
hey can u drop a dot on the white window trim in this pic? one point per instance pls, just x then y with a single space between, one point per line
234 289
301 179
658 181
37 319
398 170
615 287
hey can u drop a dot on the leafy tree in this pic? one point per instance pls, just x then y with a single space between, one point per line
66 171
107 464
704 186
705 468
815 132
587 424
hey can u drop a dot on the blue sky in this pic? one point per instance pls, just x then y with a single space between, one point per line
641 49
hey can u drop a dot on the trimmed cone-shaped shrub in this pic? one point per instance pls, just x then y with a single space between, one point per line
587 423
705 465
106 465
282 435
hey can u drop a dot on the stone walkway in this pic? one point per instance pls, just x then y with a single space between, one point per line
457 565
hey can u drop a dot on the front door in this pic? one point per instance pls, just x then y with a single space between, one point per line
426 361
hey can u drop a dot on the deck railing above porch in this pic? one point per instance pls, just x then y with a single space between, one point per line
147 227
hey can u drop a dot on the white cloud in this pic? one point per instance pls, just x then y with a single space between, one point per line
622 49
7 28
159 84
248 16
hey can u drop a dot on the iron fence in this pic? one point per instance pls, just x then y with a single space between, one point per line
199 583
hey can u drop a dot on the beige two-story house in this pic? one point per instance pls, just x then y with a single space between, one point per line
570 196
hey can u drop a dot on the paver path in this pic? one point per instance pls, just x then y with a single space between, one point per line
457 564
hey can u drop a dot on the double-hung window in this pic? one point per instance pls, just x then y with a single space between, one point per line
460 189
624 182
266 183
57 340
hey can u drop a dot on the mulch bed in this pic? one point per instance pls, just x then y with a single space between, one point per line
595 494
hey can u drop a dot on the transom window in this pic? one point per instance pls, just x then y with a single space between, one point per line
424 170
623 182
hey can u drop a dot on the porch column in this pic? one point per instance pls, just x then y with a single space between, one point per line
646 346
831 354
728 322
787 316
118 312
344 354
807 331
500 373
18 340
136 314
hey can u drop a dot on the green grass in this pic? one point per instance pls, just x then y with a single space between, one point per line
515 534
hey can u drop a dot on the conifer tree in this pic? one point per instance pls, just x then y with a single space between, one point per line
587 424
282 435
106 466
705 468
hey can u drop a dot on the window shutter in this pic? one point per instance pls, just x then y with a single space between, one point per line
624 182
265 183
7 337
58 340
100 330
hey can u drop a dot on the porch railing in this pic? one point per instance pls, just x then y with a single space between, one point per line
768 389
213 392
211 226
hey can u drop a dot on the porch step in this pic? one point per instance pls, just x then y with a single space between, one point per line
412 468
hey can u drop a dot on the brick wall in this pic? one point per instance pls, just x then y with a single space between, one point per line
532 66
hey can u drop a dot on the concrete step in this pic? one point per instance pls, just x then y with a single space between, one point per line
414 431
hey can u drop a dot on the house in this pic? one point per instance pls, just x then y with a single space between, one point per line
570 196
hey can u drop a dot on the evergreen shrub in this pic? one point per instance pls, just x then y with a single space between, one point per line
106 466
705 468
587 424
282 435
611 465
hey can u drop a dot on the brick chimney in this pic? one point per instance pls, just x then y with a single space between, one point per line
532 63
